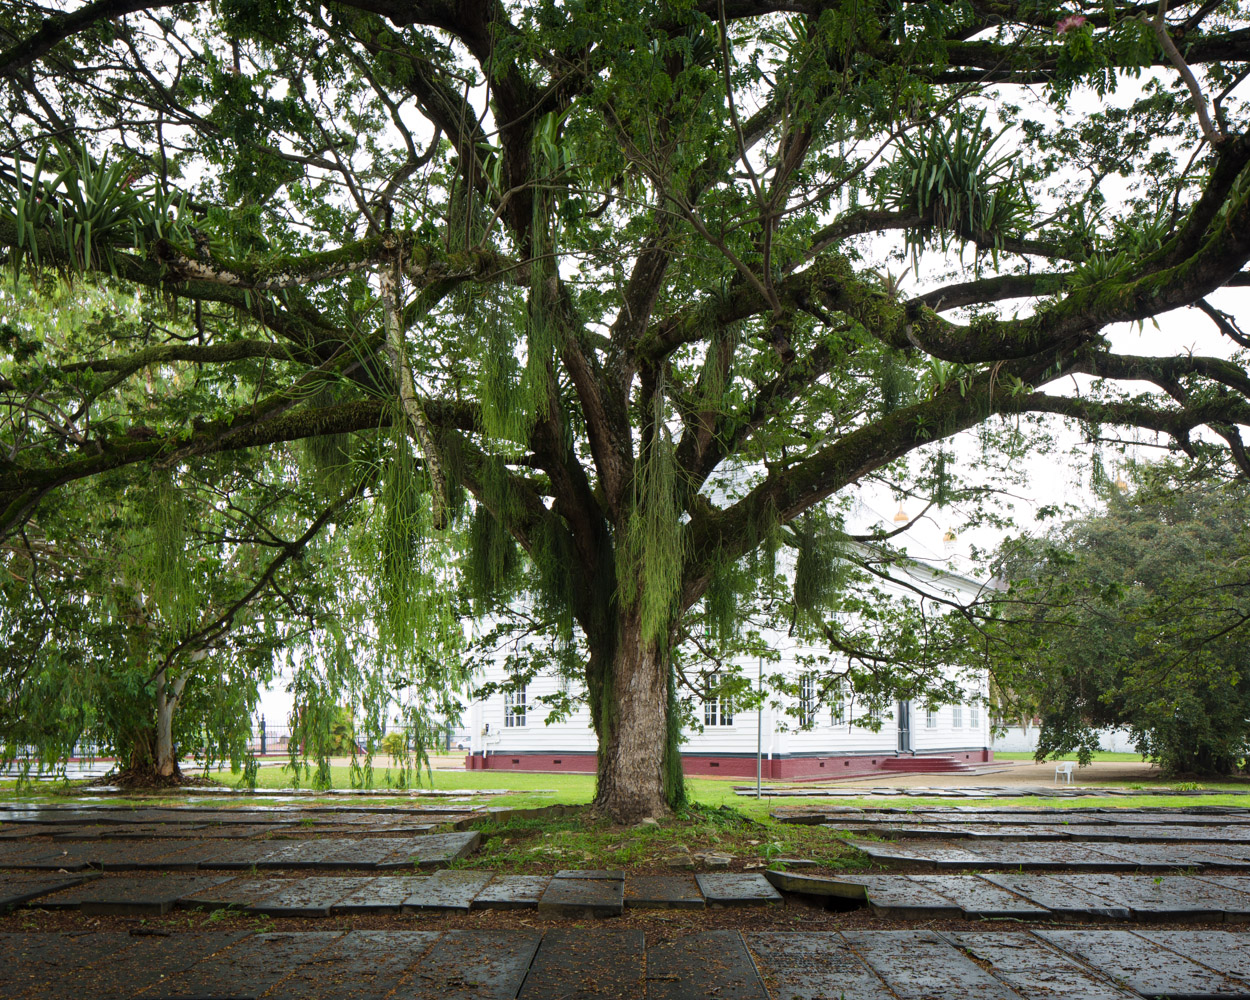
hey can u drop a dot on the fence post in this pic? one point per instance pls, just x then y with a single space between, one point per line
262 735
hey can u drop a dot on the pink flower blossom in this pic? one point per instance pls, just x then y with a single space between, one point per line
1070 22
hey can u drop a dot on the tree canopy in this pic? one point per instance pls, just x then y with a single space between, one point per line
1135 617
611 283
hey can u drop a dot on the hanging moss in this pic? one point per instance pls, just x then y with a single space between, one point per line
492 558
821 567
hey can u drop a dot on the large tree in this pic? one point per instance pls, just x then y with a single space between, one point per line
1134 616
618 272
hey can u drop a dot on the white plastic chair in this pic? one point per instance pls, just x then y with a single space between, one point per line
1064 770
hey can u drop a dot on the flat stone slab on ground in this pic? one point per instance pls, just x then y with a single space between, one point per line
434 850
380 894
445 890
978 898
1060 895
1167 897
306 897
1137 963
901 898
667 892
361 965
698 966
246 970
511 892
845 887
29 961
473 965
38 856
595 873
734 889
599 897
1033 969
132 895
137 964
1220 950
920 965
813 966
576 964
240 893
16 889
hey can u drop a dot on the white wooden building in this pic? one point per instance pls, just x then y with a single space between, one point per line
510 731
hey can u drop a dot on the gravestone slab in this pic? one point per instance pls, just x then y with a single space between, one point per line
434 850
978 898
1162 897
1160 857
38 856
899 898
361 965
576 964
16 889
246 970
20 831
665 892
595 873
1043 857
570 897
1058 894
1137 962
299 854
1223 951
1232 892
920 965
445 890
473 965
362 853
814 965
381 894
734 889
698 966
30 961
511 892
306 897
847 887
1033 969
238 855
141 962
239 893
131 895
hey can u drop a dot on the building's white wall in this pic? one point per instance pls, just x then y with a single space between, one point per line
1020 740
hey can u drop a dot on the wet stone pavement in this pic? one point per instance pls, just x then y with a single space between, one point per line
962 902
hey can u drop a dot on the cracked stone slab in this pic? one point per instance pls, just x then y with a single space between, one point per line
239 893
813 966
361 965
920 965
665 892
698 966
1222 951
737 889
434 850
1035 970
473 965
599 897
16 889
572 964
845 887
978 898
1061 896
381 894
445 890
511 892
1137 963
134 895
136 965
246 970
237 855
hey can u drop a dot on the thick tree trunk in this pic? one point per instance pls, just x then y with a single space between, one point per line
633 728
167 695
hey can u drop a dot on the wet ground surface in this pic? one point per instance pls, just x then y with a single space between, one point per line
228 903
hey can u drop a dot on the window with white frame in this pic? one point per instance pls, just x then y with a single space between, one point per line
957 716
807 699
718 710
930 718
837 705
974 716
514 708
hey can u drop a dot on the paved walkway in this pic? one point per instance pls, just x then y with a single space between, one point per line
961 871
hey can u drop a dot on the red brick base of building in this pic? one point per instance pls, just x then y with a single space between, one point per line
711 766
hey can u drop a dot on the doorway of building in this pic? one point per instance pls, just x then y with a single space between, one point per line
904 727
